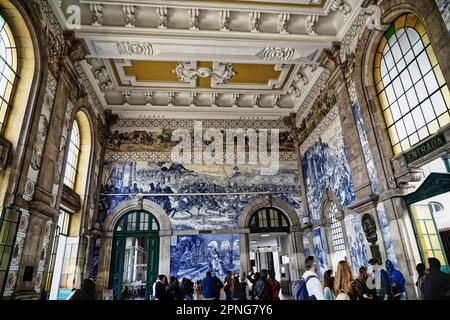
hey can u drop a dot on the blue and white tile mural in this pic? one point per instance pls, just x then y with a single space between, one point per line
356 242
444 8
320 252
384 225
195 196
95 258
365 145
325 165
193 255
306 245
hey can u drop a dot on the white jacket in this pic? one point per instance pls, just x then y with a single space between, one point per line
314 286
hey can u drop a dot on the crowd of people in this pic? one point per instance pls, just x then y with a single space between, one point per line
263 286
376 282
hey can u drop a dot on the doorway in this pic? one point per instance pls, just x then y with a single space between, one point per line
268 243
429 208
135 256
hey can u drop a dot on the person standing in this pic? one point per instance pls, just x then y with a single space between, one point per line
236 288
364 293
328 285
274 286
379 280
219 287
421 270
313 285
437 283
208 287
198 290
344 287
159 288
261 287
228 284
253 278
244 287
398 281
85 293
173 291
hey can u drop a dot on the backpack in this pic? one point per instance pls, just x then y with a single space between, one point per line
342 296
300 291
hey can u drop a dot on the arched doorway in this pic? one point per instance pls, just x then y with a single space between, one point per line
274 226
269 244
135 256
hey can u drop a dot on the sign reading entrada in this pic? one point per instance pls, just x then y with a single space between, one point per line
241 147
425 148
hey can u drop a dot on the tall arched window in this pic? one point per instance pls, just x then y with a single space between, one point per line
336 229
8 68
73 156
410 85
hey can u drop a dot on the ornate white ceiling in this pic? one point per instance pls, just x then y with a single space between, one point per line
215 59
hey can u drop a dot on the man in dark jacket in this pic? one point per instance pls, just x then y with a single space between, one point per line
437 283
159 288
208 287
261 287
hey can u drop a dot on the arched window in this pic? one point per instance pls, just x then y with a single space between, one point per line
137 221
410 85
72 157
268 220
336 229
8 68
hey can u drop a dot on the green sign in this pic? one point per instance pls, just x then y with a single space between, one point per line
425 148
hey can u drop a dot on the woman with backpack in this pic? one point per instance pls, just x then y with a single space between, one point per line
344 285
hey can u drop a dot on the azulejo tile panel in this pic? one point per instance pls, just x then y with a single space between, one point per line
325 166
196 197
193 255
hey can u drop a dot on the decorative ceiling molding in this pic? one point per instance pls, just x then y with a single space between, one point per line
135 48
222 17
369 18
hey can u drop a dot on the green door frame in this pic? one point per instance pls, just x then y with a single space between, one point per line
118 251
435 184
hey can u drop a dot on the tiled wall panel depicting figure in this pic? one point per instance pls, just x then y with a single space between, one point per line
193 255
325 165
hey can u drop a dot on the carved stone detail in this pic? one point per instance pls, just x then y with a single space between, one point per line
97 9
162 12
135 48
274 53
283 20
131 18
186 72
254 21
193 16
311 21
369 18
342 5
224 17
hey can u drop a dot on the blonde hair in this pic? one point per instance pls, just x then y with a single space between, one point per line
344 278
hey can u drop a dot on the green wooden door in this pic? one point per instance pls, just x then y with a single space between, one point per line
135 256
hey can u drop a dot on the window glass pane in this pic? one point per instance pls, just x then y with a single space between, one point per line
438 103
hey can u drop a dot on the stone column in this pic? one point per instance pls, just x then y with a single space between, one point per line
104 263
296 253
244 247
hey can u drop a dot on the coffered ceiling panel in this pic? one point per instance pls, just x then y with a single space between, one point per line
206 59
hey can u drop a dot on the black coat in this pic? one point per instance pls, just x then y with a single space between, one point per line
437 286
160 291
